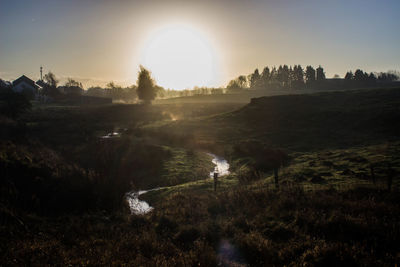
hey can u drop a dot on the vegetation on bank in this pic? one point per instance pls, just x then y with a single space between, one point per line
63 186
240 226
306 122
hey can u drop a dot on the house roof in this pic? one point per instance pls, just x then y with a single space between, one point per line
23 78
41 83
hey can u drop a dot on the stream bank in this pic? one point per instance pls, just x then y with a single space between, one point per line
140 207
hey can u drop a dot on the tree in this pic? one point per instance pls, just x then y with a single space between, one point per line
233 85
51 79
237 84
51 84
349 76
274 78
255 79
388 76
310 74
285 76
261 158
265 77
115 91
360 76
73 87
297 77
372 79
242 81
320 74
72 83
146 88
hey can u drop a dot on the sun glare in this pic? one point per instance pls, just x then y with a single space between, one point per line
180 57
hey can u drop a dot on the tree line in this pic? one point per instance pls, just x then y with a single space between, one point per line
274 78
296 77
145 90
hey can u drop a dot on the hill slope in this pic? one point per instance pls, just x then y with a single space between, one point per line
303 122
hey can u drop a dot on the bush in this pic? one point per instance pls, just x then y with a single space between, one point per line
13 104
246 175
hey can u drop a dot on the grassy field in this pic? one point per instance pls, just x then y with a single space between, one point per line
302 122
337 202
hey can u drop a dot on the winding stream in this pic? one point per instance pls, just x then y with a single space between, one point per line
221 166
140 207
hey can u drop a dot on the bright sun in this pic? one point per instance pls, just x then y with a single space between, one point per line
180 57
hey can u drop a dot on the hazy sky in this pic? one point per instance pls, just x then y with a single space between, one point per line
99 41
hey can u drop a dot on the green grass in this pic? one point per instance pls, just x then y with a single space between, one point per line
340 169
186 166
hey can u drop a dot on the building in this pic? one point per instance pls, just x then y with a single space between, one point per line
70 90
25 85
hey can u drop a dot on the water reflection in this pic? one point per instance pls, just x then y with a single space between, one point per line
221 165
140 207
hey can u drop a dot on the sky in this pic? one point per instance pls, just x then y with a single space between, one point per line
98 41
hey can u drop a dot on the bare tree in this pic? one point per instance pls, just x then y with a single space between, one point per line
51 79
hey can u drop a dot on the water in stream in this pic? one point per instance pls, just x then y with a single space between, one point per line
221 166
140 207
136 205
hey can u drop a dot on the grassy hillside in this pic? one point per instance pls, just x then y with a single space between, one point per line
302 122
337 202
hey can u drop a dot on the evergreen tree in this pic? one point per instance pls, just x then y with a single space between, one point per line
266 77
372 79
310 74
298 77
285 76
349 76
360 76
320 74
255 79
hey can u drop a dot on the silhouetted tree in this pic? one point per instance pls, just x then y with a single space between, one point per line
387 77
72 83
146 88
73 87
310 75
237 84
360 76
297 77
50 87
115 91
349 75
265 77
283 74
279 75
255 79
51 79
233 85
274 74
320 74
242 81
372 79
